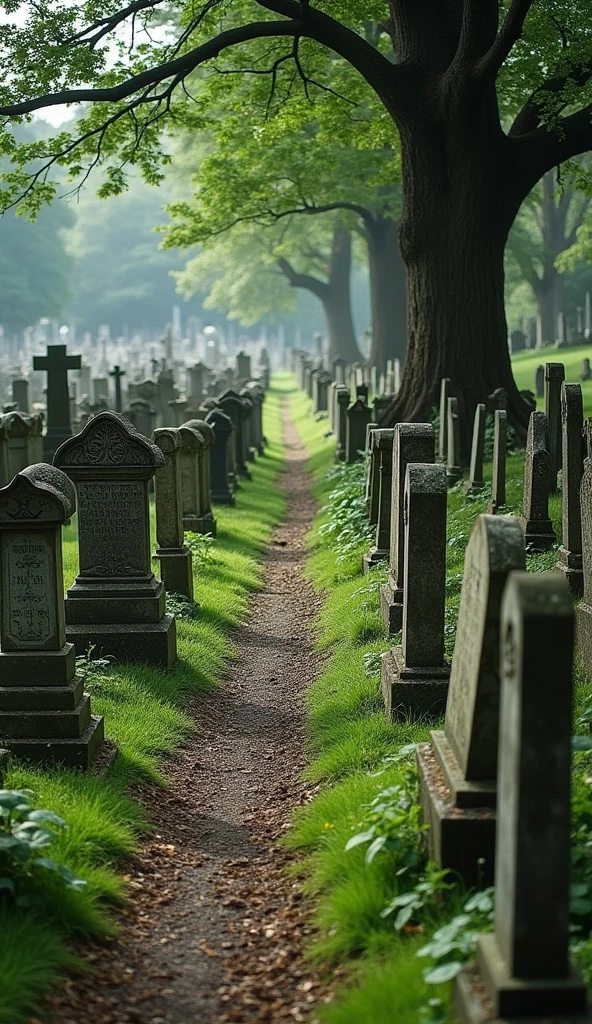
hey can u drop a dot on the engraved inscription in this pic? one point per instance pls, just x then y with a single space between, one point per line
28 591
113 529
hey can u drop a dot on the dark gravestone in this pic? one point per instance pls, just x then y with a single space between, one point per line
414 677
517 341
243 366
56 363
18 430
206 523
117 373
223 428
569 556
453 467
458 769
372 482
554 377
539 534
257 395
197 376
44 713
358 416
142 416
173 557
443 431
191 446
539 382
382 441
116 603
412 442
586 373
362 392
20 394
498 474
5 476
232 404
476 483
524 968
380 405
248 428
341 407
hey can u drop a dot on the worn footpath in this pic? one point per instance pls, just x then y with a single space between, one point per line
214 932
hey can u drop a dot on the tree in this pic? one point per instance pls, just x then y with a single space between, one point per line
486 96
35 268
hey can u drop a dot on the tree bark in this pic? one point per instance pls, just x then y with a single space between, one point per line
387 292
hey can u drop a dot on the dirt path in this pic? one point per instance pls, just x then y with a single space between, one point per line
215 931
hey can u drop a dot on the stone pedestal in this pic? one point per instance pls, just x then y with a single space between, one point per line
381 451
417 691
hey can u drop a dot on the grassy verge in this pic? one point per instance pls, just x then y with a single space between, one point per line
144 714
366 768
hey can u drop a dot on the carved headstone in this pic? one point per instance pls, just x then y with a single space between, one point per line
554 377
173 556
382 445
569 556
538 529
358 417
206 522
453 467
221 487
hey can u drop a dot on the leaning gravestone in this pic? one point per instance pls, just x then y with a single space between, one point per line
524 971
116 603
44 713
56 363
174 558
458 769
498 473
538 529
569 556
382 446
475 484
554 377
414 677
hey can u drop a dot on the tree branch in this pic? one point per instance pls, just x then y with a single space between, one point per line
306 281
529 118
545 148
507 37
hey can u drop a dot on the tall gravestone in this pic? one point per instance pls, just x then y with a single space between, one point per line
458 769
341 407
498 473
116 603
453 467
414 677
192 443
56 364
539 382
569 556
584 609
412 442
382 441
221 489
357 419
207 522
475 484
174 558
232 404
523 968
372 483
445 385
538 528
20 394
44 713
554 377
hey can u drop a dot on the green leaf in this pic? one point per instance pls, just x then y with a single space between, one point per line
442 973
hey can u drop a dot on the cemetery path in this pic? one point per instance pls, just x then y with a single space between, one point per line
214 932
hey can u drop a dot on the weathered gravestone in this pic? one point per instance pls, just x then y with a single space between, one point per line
206 521
358 417
18 428
101 391
380 405
586 373
117 373
221 489
362 392
584 609
192 443
56 363
475 484
539 382
538 529
20 394
174 558
458 769
372 483
232 404
44 713
414 677
243 366
523 968
498 473
256 393
341 407
554 377
382 449
412 442
339 366
517 341
142 416
569 556
445 385
453 467
116 603
197 376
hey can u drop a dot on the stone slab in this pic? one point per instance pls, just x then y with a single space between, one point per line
464 793
117 604
517 997
147 643
75 753
417 693
372 558
471 1005
42 698
46 724
46 668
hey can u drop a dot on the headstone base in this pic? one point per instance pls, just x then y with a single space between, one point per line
223 499
47 668
149 643
458 836
453 475
373 557
176 570
486 994
99 599
539 534
571 567
206 524
413 692
75 752
391 608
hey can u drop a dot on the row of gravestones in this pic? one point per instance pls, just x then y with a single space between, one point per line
495 782
116 604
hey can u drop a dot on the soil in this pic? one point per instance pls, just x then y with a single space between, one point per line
216 928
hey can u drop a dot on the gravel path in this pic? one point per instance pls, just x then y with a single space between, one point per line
214 933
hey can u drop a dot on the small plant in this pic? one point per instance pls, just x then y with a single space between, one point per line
93 671
346 517
201 546
426 897
393 823
455 943
24 834
181 607
372 661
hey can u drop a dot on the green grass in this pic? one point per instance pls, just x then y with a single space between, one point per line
144 713
524 365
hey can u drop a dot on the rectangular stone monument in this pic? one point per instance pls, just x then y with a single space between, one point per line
498 474
116 603
584 609
475 484
206 522
20 394
174 558
539 382
569 556
357 418
538 529
372 481
586 373
554 377
453 468
523 968
56 363
342 396
18 428
458 769
382 441
445 384
44 713
412 442
414 677
221 486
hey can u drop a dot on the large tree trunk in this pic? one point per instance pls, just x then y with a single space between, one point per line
548 291
337 300
387 293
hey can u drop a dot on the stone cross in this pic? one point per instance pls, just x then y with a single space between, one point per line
554 377
173 557
222 425
382 447
569 556
412 442
453 467
56 363
524 968
461 760
498 475
414 677
117 373
116 603
44 713
445 384
538 529
475 483
358 416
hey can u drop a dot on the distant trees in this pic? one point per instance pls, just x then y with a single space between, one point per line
35 267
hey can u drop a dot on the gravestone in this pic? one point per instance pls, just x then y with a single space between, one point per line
207 522
223 428
36 438
412 442
554 377
117 373
584 609
198 376
374 381
414 677
517 341
357 418
174 558
476 483
101 391
382 447
20 394
453 467
380 405
5 475
18 430
586 373
56 364
116 603
142 416
539 534
458 769
569 556
44 713
339 366
523 968
342 399
178 411
232 404
498 473
192 443
372 482
257 394
390 376
243 366
445 385
362 392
